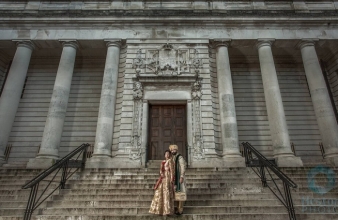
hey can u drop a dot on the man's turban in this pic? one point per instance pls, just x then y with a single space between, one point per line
173 146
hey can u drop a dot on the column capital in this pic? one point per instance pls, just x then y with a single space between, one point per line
264 42
306 42
224 42
70 43
25 43
113 42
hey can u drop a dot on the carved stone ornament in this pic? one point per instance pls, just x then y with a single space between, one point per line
135 152
196 89
167 61
198 149
137 90
138 62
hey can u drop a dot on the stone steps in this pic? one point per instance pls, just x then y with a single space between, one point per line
127 193
226 216
215 196
146 203
145 210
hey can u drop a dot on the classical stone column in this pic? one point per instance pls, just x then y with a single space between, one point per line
105 123
273 99
228 122
321 101
49 150
11 93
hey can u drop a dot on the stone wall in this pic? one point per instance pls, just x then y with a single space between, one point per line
3 70
332 71
252 118
299 111
30 119
161 84
82 111
215 100
123 109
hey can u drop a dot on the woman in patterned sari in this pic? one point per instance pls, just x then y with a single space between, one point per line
163 201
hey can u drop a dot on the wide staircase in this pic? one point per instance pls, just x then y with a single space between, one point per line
214 193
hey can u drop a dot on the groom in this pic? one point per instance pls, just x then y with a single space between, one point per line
180 166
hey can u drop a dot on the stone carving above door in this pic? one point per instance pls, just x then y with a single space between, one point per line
167 61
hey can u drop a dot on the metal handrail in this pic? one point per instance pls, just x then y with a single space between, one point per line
266 165
65 165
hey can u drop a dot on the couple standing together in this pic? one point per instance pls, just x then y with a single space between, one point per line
171 182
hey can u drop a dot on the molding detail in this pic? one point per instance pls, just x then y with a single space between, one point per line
25 43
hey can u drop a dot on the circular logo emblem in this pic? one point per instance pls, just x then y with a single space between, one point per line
330 176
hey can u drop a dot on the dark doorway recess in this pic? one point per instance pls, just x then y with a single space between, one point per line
167 126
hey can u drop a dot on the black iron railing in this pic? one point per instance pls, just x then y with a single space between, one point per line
67 164
261 165
322 150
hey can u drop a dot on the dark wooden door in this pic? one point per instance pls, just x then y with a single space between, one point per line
167 126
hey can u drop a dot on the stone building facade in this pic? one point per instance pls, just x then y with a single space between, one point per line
132 77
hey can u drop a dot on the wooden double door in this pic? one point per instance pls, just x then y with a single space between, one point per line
167 126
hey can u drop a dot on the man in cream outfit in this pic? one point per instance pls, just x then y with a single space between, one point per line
180 166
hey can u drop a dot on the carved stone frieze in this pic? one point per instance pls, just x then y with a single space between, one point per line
167 61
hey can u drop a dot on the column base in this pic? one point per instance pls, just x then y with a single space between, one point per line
233 161
289 161
40 163
332 161
110 163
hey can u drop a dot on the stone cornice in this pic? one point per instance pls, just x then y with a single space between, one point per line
151 18
164 13
194 5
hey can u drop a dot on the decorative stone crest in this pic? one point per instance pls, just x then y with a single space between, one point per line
167 61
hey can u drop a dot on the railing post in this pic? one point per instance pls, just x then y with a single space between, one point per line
247 155
289 202
31 202
84 157
64 175
263 177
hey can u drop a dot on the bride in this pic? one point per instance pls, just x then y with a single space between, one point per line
163 201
